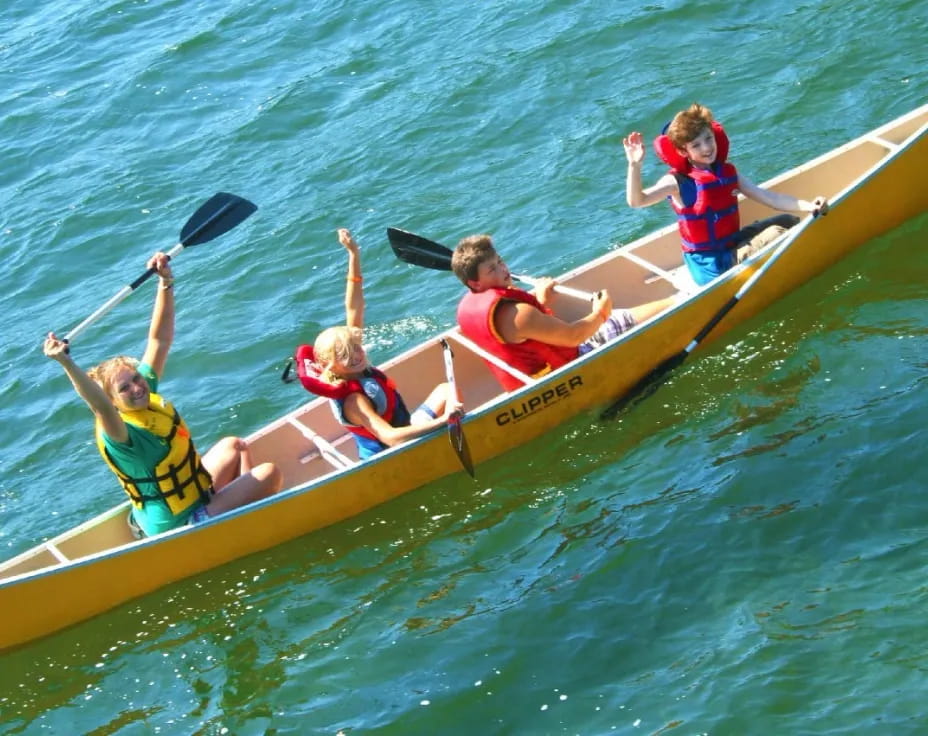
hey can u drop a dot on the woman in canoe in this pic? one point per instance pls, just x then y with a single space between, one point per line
145 442
364 400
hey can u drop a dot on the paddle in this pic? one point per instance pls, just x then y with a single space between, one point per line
419 251
219 214
650 383
455 431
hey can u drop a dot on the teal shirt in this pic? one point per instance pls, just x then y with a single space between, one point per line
136 457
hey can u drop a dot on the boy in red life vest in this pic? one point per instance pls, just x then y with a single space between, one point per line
145 442
519 327
365 400
702 187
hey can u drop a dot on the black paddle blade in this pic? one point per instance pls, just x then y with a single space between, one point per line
459 444
645 387
219 214
419 251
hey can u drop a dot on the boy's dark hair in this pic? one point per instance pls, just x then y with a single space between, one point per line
469 254
688 124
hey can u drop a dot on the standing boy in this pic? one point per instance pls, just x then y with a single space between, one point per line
702 187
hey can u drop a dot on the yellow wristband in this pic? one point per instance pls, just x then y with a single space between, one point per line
355 279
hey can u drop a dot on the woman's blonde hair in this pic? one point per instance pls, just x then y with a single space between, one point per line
335 344
105 372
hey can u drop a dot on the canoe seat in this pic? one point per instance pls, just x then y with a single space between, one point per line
326 450
678 277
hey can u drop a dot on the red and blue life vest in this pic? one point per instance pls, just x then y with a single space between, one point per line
532 357
708 219
379 389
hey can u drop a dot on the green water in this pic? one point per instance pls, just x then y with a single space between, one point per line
743 554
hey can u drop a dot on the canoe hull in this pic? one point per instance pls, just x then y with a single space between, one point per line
95 567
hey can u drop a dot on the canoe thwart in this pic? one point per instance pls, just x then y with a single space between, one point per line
489 357
326 450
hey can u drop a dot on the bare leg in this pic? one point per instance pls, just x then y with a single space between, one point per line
244 460
647 310
260 482
227 460
223 461
437 400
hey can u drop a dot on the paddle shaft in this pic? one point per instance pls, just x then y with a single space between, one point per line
117 298
746 287
647 385
193 233
455 430
449 368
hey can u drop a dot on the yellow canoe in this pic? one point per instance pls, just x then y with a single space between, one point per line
872 184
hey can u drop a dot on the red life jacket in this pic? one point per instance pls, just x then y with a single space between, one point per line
709 216
376 386
532 357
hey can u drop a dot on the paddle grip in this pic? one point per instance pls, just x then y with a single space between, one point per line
151 271
142 279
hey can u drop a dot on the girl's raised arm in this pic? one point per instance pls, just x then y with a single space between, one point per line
354 290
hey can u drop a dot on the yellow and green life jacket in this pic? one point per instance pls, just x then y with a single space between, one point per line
180 478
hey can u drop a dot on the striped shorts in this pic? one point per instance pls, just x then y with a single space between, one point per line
621 320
